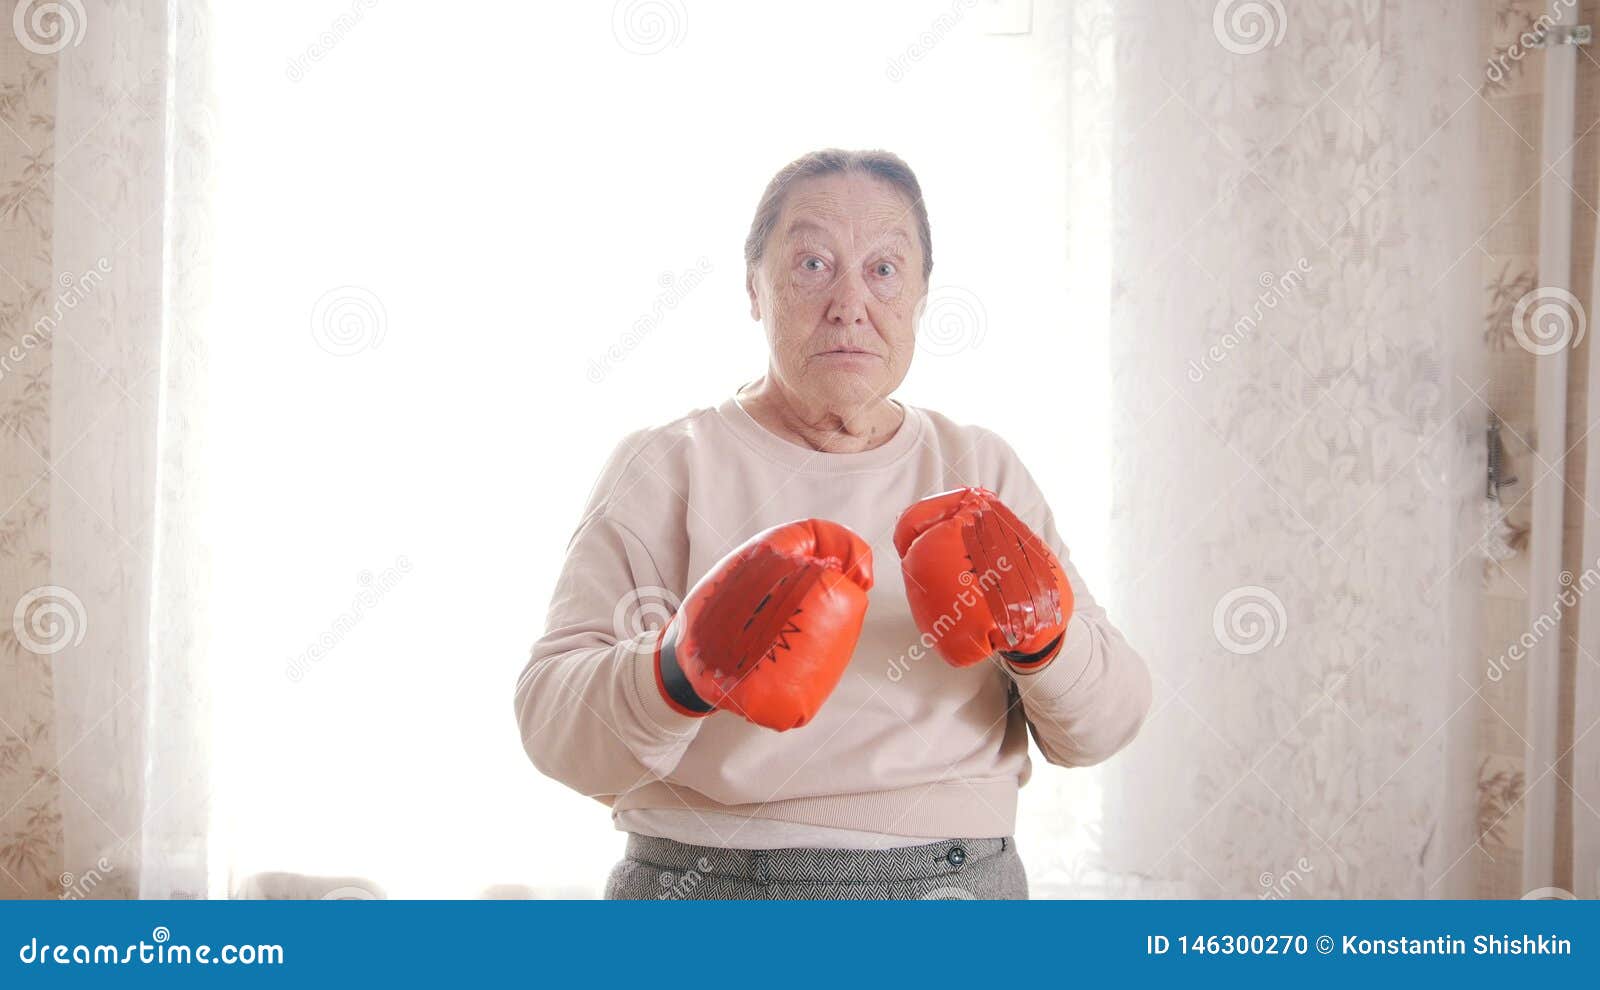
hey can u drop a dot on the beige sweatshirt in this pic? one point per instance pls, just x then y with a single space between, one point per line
906 750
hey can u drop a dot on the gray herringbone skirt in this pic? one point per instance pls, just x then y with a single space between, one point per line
952 869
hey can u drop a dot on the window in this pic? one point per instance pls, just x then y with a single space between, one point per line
458 259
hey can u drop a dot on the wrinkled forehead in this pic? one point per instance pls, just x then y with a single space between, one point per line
852 208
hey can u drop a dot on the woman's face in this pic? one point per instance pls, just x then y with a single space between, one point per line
838 289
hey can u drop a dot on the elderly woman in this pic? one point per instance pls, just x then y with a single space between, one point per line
871 604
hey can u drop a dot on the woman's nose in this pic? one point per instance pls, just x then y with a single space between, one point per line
849 302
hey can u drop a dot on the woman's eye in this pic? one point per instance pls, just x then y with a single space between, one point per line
812 264
885 269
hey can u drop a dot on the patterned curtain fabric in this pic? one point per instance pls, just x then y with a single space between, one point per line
105 777
1297 375
30 817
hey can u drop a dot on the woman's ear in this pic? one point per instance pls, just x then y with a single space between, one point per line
750 287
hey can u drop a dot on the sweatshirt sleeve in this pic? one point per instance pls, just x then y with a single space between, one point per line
587 705
1090 701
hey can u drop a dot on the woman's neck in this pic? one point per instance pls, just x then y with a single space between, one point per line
819 425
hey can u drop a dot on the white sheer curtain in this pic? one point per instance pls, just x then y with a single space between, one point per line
1295 376
123 620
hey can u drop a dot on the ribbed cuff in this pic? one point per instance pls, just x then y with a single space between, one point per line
1058 676
652 704
1032 663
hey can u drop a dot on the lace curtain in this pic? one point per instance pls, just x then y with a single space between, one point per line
1296 372
109 628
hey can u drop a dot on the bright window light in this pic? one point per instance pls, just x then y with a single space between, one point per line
458 259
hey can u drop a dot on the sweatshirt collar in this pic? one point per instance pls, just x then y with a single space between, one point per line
801 458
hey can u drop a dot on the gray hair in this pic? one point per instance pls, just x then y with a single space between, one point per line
882 164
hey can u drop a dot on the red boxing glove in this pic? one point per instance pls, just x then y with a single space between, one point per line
768 631
980 582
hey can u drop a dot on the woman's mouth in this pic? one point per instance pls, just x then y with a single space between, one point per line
848 359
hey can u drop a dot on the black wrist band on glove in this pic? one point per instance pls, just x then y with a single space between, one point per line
672 676
1033 661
